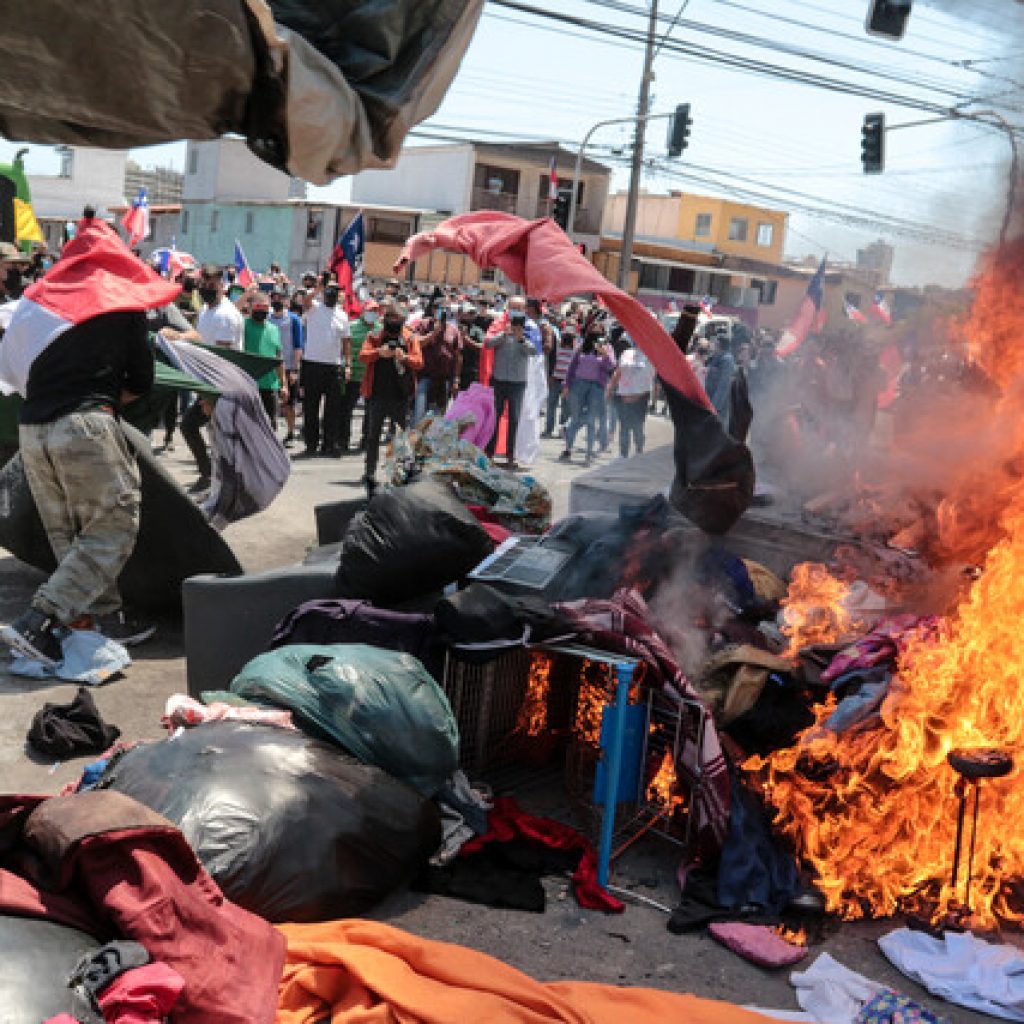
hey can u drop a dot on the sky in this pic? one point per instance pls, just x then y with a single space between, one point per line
787 145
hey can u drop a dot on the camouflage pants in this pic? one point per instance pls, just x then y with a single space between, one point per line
85 482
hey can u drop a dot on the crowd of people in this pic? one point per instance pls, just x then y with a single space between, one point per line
407 353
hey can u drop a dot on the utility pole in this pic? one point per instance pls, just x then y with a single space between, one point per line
629 224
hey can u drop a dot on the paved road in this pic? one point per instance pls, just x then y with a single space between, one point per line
565 942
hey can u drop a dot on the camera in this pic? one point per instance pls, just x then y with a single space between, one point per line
517 320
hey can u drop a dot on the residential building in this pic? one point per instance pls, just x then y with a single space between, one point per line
85 177
687 246
460 177
298 234
225 168
877 257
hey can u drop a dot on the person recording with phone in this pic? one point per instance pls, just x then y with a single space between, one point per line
441 343
513 351
393 358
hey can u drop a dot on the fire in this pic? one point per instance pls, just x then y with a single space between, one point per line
662 788
532 719
873 812
594 694
815 611
794 938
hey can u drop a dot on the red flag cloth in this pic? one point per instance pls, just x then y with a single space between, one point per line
891 362
97 273
539 255
507 822
144 995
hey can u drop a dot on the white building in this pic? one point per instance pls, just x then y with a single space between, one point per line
225 169
511 177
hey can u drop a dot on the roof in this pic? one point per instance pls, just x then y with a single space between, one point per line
153 208
540 153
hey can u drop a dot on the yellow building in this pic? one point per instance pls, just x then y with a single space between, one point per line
710 223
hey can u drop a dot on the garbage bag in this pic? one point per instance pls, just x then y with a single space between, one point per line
36 960
318 87
175 541
288 826
382 706
410 541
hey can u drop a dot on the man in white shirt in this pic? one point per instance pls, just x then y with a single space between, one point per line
326 365
219 323
630 388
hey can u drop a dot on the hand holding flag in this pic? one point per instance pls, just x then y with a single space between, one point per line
347 262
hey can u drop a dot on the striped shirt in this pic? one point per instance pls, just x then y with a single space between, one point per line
563 356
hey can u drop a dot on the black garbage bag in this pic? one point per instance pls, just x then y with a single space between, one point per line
175 541
318 87
36 960
410 541
714 481
289 827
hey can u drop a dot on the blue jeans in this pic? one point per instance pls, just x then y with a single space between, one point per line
556 404
586 409
631 424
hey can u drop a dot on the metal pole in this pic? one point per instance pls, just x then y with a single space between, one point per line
629 226
612 769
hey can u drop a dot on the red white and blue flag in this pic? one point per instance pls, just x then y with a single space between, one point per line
96 274
853 313
136 219
707 304
880 309
243 275
553 179
171 261
347 261
811 315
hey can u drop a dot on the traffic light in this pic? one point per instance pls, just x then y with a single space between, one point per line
888 18
872 143
561 211
679 130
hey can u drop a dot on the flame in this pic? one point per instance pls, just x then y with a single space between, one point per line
874 812
794 938
532 719
815 609
590 704
662 788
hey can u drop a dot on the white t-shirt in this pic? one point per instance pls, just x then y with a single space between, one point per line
326 327
636 375
223 325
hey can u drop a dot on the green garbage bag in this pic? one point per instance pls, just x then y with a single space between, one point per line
381 706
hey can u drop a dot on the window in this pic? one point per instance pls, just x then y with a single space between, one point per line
184 222
703 227
766 291
314 226
250 220
193 161
738 229
654 277
214 221
67 160
765 234
389 230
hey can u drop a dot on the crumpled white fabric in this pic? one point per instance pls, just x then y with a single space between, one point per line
531 419
89 657
832 993
961 968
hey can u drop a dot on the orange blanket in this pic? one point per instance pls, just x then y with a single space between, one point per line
362 972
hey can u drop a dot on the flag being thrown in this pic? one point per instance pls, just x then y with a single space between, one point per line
347 261
809 317
96 274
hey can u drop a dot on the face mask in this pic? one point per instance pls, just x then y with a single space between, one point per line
392 326
277 306
208 295
330 300
370 318
188 287
259 315
12 282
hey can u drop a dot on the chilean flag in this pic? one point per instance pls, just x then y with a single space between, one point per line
136 219
880 308
347 262
553 179
809 317
853 313
243 275
95 274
